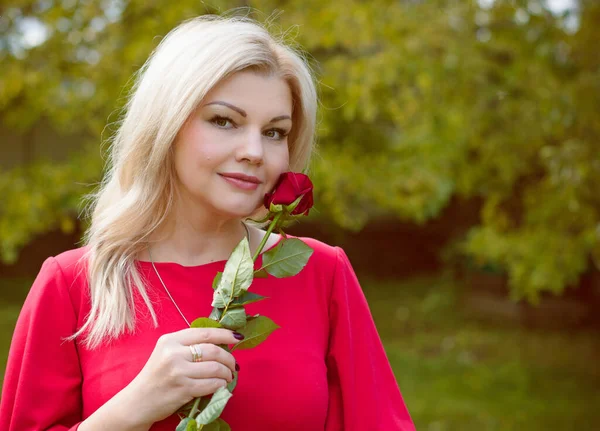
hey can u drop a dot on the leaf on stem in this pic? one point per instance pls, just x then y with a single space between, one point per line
245 299
215 314
231 386
205 322
215 407
234 318
217 280
237 275
218 425
187 424
287 258
255 332
261 273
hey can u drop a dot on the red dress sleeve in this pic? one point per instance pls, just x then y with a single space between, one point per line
42 383
363 393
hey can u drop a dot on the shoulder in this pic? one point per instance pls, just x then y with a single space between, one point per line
72 262
66 268
71 257
59 285
325 256
321 250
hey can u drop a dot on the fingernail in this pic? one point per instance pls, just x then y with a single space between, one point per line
238 336
237 367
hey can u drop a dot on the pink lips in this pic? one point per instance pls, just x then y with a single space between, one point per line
242 181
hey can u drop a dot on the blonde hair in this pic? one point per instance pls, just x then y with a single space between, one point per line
137 193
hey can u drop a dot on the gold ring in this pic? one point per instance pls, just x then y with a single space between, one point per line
196 353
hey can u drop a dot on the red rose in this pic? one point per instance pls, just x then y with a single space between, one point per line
289 187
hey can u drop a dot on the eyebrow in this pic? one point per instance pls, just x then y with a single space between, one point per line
243 113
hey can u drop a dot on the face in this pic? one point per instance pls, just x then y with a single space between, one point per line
233 148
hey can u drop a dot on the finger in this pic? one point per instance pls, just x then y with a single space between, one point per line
208 370
190 336
202 387
210 352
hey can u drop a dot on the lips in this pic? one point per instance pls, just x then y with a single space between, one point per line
241 181
242 177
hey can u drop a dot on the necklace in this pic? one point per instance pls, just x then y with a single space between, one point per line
165 286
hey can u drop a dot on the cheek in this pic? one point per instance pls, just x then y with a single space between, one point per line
281 165
197 144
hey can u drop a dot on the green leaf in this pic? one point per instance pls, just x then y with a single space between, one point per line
187 424
256 331
287 258
218 425
205 322
247 298
261 273
234 318
231 386
203 403
215 407
215 314
185 409
217 280
237 275
221 298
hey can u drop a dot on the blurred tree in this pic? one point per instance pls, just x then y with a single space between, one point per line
421 101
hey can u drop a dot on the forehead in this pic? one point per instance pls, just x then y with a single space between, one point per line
254 92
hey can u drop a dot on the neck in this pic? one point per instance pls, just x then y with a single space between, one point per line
191 247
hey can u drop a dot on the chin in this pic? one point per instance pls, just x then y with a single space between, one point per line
238 211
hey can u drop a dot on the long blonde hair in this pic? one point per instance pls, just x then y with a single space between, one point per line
137 193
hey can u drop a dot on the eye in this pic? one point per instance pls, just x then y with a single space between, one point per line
222 122
276 134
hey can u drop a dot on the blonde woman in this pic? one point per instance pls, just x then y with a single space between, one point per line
218 112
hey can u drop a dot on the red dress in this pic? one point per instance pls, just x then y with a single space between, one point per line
324 369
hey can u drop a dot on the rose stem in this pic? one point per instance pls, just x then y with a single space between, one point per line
266 237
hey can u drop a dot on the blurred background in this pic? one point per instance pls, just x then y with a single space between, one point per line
458 165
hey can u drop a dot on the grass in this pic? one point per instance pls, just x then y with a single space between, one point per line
456 373
13 291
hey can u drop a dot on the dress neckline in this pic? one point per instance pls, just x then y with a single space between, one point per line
175 265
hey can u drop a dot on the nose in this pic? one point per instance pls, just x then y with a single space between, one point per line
250 148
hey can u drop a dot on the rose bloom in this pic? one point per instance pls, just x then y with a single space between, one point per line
289 187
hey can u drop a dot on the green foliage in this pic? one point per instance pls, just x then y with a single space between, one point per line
287 258
234 318
236 277
218 425
215 407
255 332
187 424
40 197
421 101
246 298
205 322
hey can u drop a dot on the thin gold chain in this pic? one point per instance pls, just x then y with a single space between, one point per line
165 286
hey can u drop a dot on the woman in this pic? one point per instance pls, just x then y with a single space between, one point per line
218 112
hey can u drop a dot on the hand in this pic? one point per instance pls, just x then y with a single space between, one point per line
170 379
